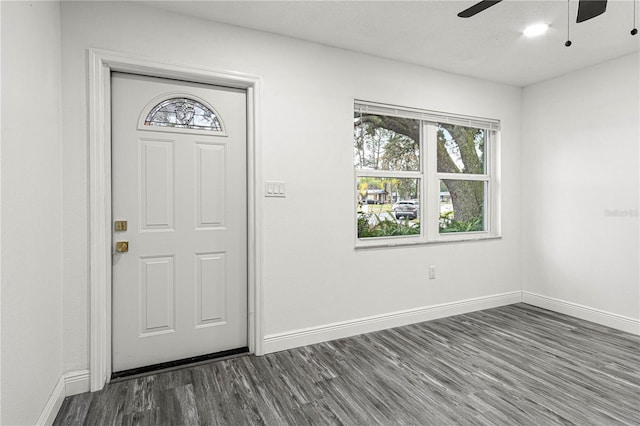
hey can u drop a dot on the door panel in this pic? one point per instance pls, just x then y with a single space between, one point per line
211 167
211 273
157 287
156 184
181 289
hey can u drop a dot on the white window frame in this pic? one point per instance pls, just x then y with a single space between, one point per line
430 177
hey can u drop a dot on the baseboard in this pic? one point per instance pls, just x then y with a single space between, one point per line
77 382
619 322
308 336
71 383
51 408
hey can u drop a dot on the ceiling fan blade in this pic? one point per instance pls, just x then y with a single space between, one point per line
477 8
588 9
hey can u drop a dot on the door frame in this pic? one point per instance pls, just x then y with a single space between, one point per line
101 64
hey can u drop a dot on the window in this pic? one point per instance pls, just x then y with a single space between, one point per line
183 113
422 176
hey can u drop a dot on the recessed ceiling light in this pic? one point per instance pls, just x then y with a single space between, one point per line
535 30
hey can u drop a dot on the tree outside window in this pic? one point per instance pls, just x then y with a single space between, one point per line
392 172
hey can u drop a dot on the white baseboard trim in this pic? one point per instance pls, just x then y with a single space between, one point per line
51 408
308 336
77 382
71 383
619 322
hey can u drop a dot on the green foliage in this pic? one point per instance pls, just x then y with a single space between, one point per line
449 224
404 187
465 144
393 143
384 227
386 143
365 183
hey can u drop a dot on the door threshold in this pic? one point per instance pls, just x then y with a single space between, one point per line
177 364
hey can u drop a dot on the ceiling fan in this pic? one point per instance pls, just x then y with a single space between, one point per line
587 9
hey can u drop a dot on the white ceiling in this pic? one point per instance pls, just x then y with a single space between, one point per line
489 45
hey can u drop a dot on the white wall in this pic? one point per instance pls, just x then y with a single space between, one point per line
31 209
0 214
311 273
580 188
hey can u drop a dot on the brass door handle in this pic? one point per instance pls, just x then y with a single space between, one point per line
122 246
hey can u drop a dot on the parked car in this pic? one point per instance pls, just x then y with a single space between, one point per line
409 209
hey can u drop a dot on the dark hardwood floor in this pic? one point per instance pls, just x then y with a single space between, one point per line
513 365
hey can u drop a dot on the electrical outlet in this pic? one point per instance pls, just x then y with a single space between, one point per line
432 272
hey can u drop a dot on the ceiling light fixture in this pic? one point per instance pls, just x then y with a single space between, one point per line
535 30
634 31
568 42
587 9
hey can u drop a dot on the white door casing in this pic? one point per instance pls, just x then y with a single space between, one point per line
180 290
101 64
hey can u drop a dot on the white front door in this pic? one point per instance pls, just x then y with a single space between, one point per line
179 181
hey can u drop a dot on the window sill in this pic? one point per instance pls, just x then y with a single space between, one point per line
466 238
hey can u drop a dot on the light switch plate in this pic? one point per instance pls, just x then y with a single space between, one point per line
275 189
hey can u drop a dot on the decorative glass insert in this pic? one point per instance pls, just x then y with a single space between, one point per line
183 113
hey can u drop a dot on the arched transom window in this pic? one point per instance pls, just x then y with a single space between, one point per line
183 113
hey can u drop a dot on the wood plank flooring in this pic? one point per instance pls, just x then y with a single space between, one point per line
513 365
